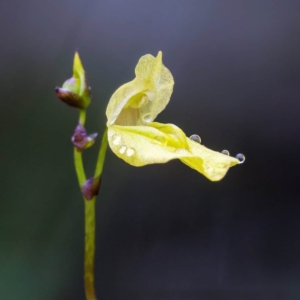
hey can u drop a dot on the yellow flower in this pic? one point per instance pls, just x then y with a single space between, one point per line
135 138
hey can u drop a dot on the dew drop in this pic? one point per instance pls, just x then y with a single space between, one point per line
122 149
116 139
196 138
147 118
225 152
130 152
241 157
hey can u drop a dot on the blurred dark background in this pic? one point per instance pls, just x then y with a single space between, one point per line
163 231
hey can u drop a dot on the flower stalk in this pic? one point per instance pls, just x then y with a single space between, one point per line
90 222
89 213
89 249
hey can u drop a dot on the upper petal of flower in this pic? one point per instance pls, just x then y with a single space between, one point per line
139 101
159 143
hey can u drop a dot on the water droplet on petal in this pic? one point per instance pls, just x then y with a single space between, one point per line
122 149
116 139
241 157
226 152
196 138
130 152
147 118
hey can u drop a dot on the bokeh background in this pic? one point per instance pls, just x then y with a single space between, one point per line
163 231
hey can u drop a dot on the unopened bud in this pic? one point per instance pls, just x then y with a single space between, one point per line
69 97
75 91
81 140
91 187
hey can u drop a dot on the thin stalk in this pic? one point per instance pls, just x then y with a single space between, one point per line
90 222
101 156
79 167
89 249
89 212
82 116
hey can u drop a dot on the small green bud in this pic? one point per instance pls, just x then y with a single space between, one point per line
75 91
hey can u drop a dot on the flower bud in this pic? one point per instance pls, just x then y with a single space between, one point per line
75 91
81 140
91 187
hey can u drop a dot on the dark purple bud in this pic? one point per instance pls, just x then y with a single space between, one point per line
91 187
81 140
70 98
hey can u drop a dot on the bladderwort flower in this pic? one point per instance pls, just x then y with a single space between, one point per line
134 136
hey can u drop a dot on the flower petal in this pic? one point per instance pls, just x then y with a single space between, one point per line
149 144
214 165
159 143
144 97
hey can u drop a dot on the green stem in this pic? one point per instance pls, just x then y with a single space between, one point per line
101 156
82 116
90 215
79 167
89 249
90 222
